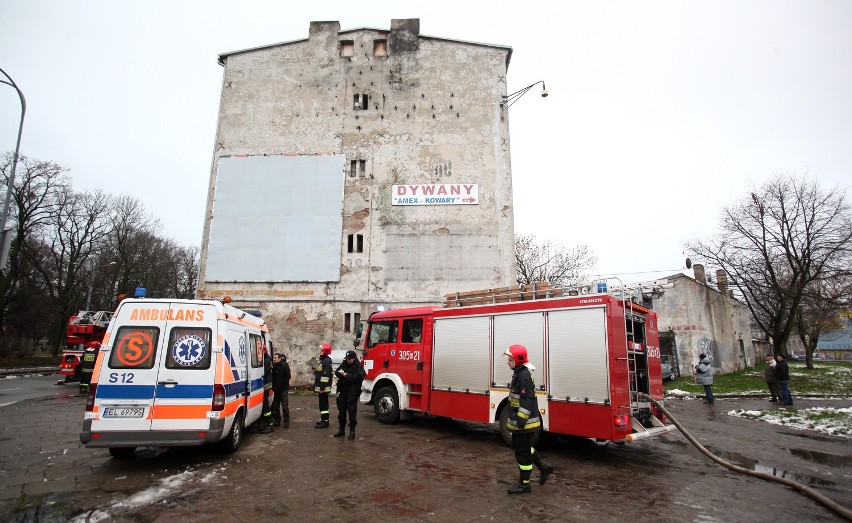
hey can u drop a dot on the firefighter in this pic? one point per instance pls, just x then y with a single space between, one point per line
87 365
524 420
266 411
350 374
322 384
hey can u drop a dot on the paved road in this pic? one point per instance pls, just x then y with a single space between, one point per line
428 469
14 388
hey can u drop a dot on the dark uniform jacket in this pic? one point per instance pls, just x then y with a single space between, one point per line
267 372
782 371
280 376
351 384
322 375
523 407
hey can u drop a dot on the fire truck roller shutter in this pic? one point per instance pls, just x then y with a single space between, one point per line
527 329
460 359
578 357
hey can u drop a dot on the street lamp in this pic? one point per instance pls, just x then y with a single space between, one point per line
6 236
514 97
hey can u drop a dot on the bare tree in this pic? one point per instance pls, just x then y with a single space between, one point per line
544 261
33 198
778 242
68 244
820 310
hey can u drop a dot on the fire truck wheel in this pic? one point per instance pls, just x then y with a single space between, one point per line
122 452
386 405
232 441
507 436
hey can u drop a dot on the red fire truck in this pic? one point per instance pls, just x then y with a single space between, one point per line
82 328
593 353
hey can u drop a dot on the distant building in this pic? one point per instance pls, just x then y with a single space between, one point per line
836 345
695 318
353 170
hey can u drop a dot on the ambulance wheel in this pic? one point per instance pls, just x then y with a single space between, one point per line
232 441
122 452
386 405
507 435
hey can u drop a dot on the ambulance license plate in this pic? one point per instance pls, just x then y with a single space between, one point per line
124 412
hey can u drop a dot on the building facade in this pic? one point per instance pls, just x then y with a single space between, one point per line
356 170
695 318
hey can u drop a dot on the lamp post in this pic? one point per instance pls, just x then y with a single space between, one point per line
514 97
6 236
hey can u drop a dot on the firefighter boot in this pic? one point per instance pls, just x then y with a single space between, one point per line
545 469
523 486
323 423
341 431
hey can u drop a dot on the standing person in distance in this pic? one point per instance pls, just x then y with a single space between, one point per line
524 419
87 365
769 378
265 412
349 374
280 386
704 376
322 384
782 377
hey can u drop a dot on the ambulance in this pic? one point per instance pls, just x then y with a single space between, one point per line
176 373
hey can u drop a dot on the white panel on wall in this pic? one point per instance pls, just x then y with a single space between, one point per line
277 218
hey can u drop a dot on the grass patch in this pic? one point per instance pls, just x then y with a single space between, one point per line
825 379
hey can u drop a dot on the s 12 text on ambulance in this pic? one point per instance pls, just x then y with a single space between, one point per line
176 373
595 355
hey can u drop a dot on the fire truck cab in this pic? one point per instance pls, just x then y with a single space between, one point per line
594 354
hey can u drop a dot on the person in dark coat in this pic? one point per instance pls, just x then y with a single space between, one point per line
782 377
769 378
265 412
281 387
349 374
524 420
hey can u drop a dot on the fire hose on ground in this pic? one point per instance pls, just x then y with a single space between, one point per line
807 491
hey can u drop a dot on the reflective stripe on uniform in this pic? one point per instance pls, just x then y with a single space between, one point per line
525 467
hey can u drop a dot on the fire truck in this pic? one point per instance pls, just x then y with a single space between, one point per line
82 328
594 353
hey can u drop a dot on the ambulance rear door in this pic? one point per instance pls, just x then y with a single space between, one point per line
184 388
255 374
128 374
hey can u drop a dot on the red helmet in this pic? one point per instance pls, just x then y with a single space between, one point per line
325 348
518 353
93 345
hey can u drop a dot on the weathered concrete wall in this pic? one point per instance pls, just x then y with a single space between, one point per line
433 118
705 321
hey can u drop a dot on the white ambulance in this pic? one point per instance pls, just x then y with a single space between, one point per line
176 373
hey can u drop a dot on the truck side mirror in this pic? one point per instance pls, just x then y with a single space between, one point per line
359 329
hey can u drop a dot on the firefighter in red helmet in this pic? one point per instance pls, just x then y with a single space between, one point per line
524 419
322 383
87 365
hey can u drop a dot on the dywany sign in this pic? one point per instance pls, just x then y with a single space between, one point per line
436 194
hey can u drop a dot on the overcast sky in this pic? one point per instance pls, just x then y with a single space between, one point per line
659 113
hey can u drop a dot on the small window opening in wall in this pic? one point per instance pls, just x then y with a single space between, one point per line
347 47
358 168
361 102
355 243
347 322
380 47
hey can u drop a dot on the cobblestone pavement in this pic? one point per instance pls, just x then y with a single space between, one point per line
426 469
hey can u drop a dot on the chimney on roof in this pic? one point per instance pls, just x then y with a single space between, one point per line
404 35
722 281
698 270
323 29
